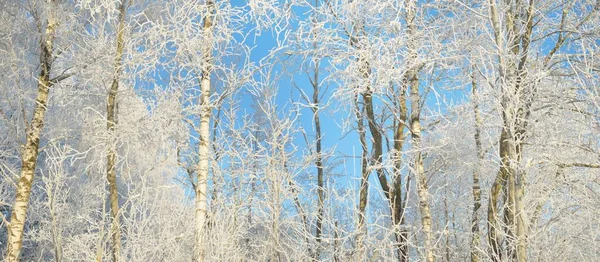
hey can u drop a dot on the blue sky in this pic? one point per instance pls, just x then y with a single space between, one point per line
345 142
347 148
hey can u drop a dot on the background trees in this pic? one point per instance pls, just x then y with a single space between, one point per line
299 131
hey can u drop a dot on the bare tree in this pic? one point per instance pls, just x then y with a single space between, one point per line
111 121
266 122
30 150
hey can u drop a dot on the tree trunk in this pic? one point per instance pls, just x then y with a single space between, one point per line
204 147
515 113
111 121
394 194
415 128
419 170
30 150
475 238
493 213
318 162
364 181
397 201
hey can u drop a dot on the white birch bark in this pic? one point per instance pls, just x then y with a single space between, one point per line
415 128
204 145
30 151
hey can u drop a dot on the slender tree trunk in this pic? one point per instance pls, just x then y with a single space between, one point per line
523 116
492 217
378 154
415 128
364 181
397 202
394 193
419 171
55 228
250 203
111 121
318 161
475 238
204 147
299 209
30 150
336 243
377 139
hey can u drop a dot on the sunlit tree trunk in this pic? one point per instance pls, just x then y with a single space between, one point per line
512 60
204 147
111 121
493 225
419 169
393 194
397 201
415 128
32 142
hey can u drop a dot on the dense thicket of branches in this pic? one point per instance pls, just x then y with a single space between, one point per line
303 130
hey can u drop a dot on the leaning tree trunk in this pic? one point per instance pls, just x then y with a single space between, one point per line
111 158
204 147
394 193
32 142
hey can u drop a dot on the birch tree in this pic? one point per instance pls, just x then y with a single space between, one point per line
412 118
201 187
415 129
111 121
30 150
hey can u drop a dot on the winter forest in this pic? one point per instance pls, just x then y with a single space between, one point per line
300 130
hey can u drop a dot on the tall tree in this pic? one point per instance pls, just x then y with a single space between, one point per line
204 143
111 122
514 34
30 151
398 200
315 108
412 76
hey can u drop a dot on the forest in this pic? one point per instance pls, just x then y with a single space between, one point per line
300 130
